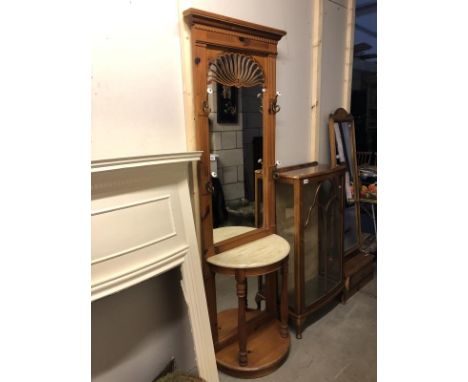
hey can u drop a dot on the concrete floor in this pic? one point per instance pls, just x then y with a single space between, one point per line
338 344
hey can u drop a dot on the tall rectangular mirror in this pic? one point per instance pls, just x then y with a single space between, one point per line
235 87
343 151
236 151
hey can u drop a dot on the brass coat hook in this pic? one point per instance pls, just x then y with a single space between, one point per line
274 107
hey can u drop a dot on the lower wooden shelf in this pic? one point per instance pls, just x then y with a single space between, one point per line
266 349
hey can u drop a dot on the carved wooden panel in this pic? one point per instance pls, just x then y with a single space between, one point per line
235 69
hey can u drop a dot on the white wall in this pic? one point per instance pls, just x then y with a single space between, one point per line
137 104
332 69
137 109
293 123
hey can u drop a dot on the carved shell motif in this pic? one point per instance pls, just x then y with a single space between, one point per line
235 69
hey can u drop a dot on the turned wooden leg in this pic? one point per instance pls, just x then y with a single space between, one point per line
258 297
271 293
284 300
344 294
241 325
246 294
299 323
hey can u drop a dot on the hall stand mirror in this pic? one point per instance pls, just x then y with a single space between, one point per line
235 102
358 265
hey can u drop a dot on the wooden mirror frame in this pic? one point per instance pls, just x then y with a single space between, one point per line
341 115
211 36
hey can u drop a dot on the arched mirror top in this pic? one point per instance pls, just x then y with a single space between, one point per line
341 115
235 69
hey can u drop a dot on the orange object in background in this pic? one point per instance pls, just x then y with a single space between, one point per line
369 192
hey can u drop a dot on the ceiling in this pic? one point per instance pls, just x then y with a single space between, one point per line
365 34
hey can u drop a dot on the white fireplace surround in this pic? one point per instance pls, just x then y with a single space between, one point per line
142 225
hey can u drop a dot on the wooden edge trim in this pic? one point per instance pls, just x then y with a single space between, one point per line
298 166
255 271
337 169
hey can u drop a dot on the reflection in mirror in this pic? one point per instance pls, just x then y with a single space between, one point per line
345 154
236 143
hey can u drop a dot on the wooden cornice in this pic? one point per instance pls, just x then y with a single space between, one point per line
196 16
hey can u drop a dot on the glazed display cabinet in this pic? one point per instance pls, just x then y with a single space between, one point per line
309 214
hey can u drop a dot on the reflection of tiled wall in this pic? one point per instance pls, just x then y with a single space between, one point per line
226 141
252 128
233 143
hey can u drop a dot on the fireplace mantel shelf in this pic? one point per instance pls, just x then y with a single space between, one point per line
143 161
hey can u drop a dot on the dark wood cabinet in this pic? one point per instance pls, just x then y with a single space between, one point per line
309 215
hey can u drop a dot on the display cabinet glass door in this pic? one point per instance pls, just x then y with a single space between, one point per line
321 227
